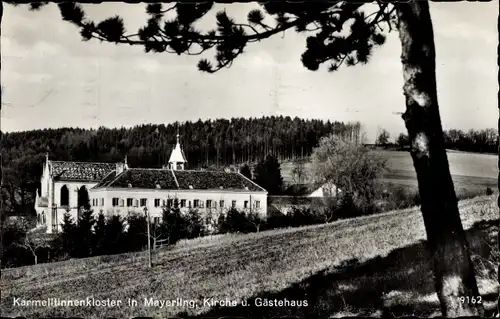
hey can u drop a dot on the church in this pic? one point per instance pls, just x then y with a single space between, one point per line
117 189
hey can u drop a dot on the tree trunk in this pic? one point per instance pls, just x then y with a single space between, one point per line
2 217
453 269
494 136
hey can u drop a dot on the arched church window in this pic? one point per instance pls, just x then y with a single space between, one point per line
83 198
64 196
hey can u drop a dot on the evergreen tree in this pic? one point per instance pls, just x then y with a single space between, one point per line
68 235
268 175
194 224
174 225
114 234
99 235
136 232
246 171
84 237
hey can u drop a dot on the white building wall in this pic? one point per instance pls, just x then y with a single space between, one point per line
188 195
102 200
73 188
44 182
326 190
56 217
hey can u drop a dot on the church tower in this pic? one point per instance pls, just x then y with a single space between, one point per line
177 159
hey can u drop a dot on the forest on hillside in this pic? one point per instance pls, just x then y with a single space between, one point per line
476 141
206 144
210 143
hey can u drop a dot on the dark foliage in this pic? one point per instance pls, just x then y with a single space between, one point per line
233 221
194 224
383 138
403 141
114 235
301 217
489 191
246 171
174 224
11 254
67 236
99 232
268 175
83 236
136 237
480 141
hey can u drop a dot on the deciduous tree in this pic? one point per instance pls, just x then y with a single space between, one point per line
383 138
299 170
349 170
403 141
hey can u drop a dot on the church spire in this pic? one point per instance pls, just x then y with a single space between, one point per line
177 159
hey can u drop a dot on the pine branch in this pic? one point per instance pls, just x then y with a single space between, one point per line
230 38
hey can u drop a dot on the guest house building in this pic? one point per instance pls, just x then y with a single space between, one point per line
116 188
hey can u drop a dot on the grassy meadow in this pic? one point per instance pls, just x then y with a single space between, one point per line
471 172
372 266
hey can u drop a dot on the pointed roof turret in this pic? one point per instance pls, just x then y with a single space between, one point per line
177 155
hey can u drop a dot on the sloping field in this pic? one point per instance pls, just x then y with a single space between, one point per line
375 265
470 171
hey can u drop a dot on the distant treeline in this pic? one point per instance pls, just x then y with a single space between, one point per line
478 141
207 143
210 142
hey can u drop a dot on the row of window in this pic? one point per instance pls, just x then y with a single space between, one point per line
143 202
98 202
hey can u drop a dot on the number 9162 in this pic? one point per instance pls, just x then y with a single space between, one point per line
471 300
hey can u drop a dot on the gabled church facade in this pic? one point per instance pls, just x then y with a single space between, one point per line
118 189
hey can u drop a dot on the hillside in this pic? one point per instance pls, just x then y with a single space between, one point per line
372 265
470 171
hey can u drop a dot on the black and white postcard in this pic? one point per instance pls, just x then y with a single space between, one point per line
250 160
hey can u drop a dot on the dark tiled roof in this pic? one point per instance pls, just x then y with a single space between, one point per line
299 190
168 179
214 180
80 171
107 179
144 178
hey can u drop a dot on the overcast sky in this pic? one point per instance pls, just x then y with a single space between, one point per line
53 79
